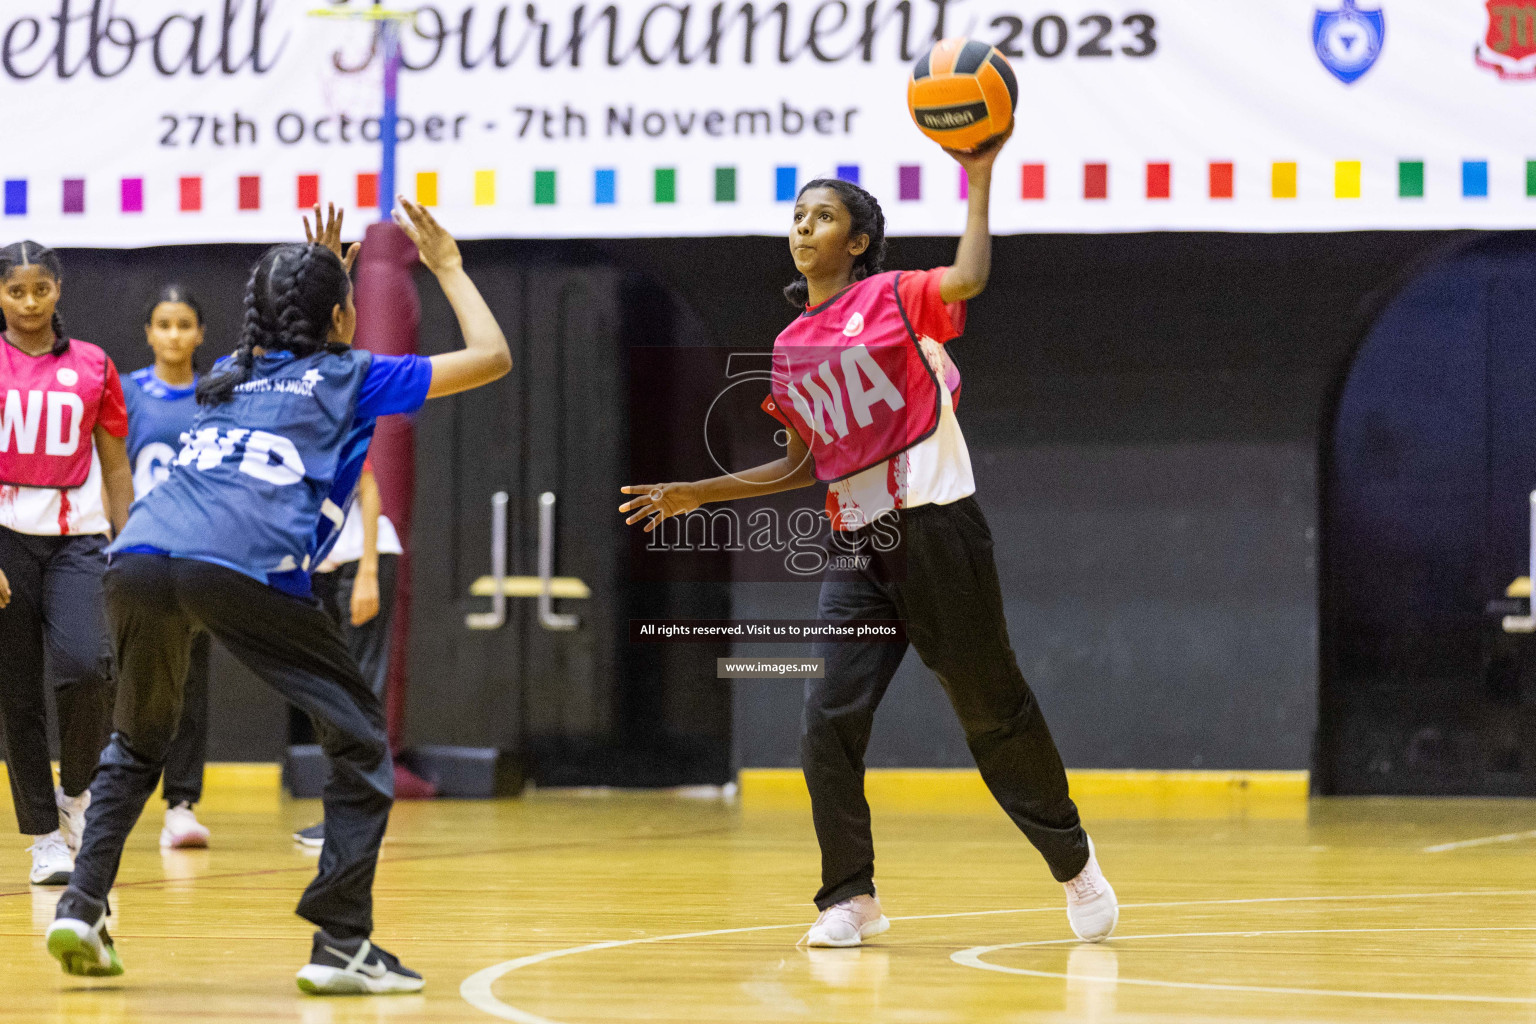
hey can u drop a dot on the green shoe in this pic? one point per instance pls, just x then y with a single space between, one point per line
78 937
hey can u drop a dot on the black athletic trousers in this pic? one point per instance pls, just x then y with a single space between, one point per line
942 581
155 605
55 615
369 643
188 753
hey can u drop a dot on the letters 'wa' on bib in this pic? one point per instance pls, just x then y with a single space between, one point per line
851 378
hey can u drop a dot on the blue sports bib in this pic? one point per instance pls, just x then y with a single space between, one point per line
158 415
262 485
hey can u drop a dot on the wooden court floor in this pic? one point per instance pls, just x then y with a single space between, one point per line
585 908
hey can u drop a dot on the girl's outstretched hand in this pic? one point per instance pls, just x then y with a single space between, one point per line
5 590
984 154
660 501
329 234
439 252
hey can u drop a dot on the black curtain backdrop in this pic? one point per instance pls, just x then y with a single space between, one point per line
1144 413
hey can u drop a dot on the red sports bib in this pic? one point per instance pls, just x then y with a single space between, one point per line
850 377
48 408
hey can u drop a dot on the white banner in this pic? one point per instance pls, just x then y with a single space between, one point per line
157 121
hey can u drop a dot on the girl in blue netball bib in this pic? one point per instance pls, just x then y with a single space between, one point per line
226 544
162 403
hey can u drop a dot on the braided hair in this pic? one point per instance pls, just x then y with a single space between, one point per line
288 304
29 254
866 219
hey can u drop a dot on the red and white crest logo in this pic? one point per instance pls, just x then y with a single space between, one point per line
1509 48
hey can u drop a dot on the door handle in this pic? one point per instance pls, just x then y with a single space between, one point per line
1525 623
497 616
548 617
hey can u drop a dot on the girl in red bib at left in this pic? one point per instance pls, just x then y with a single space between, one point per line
65 483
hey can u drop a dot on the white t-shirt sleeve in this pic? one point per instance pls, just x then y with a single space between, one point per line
936 471
349 542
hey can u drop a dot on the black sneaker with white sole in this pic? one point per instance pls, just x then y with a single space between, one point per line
354 967
78 937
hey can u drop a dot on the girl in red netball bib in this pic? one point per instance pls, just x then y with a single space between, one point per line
64 482
863 384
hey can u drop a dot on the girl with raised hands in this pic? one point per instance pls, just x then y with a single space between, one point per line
863 382
227 544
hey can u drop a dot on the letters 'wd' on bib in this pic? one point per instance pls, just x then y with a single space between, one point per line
850 376
262 484
48 408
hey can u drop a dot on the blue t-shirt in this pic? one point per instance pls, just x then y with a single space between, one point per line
158 415
262 484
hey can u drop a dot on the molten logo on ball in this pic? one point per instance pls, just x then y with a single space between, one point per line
946 118
962 92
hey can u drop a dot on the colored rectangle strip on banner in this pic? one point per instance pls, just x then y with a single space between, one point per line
784 179
250 192
309 191
1221 179
131 195
544 188
74 195
190 194
1346 179
1032 181
666 185
1474 179
848 172
367 191
909 182
605 186
1282 179
1410 179
725 184
426 188
485 188
1095 181
1159 181
964 191
1530 178
15 197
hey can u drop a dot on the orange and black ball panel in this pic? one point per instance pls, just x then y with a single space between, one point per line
962 92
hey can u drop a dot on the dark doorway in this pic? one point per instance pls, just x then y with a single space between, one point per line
580 703
1428 463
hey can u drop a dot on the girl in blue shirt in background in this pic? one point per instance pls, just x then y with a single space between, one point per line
162 403
226 544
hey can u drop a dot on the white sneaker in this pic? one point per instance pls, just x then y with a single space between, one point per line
52 863
1092 909
72 817
848 923
182 830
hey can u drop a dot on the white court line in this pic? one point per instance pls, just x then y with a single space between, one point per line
1508 837
973 958
476 989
